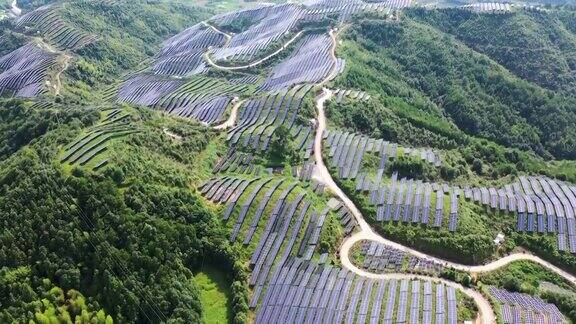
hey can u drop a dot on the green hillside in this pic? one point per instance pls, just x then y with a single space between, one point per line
81 224
442 81
159 161
536 46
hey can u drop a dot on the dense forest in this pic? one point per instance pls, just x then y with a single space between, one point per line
128 240
535 46
120 245
440 76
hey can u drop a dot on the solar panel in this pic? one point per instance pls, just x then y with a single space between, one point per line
415 303
408 203
377 306
363 311
452 305
417 201
399 200
517 315
440 303
426 206
561 242
389 312
531 222
351 311
439 208
403 302
506 313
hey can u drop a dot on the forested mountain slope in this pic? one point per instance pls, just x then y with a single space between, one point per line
449 78
121 245
536 46
75 228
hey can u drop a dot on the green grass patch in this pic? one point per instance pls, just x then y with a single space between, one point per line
523 276
214 295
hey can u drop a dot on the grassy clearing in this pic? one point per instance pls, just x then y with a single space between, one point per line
214 295
523 276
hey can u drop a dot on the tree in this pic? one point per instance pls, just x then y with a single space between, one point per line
282 148
478 167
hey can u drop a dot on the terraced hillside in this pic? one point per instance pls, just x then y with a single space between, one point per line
145 144
26 70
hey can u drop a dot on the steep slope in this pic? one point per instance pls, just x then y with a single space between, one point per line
478 95
129 237
536 46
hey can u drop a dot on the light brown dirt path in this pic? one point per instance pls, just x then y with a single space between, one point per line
233 115
58 77
256 63
322 175
14 8
486 314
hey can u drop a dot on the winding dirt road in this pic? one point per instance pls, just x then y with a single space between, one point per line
14 8
253 64
231 121
322 175
58 84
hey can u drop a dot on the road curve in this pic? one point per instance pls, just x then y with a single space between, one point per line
486 314
253 64
226 35
322 175
372 236
14 8
232 118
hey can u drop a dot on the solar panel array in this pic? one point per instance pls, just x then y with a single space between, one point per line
492 7
347 220
411 202
523 308
270 24
24 71
48 22
344 9
201 98
290 226
237 162
173 83
182 54
381 258
311 62
542 205
89 148
259 118
351 94
347 150
424 266
303 291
